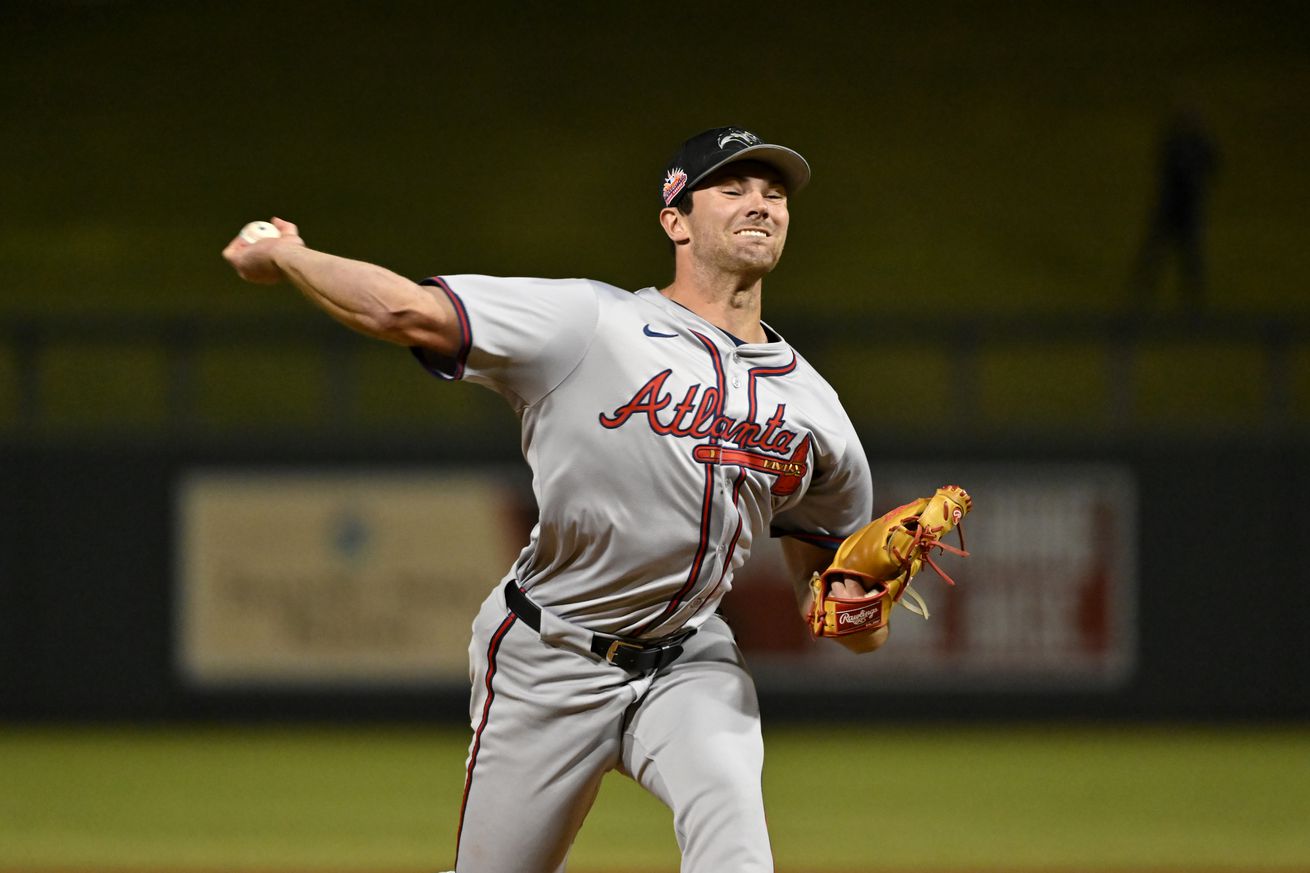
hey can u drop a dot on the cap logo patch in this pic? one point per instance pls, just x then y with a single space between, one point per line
745 137
674 182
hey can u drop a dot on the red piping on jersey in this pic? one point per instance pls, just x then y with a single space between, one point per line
732 547
492 649
707 502
764 373
747 459
719 381
465 330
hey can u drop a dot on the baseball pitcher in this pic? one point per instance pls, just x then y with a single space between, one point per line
666 430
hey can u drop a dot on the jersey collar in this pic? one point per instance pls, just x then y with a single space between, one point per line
776 345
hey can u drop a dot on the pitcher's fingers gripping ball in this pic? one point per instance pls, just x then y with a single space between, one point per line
883 556
251 255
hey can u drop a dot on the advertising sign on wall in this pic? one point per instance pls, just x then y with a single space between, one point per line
1047 598
374 578
329 577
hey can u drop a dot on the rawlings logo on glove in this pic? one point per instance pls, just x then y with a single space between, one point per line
884 556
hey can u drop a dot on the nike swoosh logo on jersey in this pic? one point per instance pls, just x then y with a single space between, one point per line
649 332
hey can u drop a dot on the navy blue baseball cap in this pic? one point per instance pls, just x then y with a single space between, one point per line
708 151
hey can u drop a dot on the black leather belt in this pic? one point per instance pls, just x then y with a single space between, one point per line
637 656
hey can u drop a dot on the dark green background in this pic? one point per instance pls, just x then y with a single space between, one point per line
968 156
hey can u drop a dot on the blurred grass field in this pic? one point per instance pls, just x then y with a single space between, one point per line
845 798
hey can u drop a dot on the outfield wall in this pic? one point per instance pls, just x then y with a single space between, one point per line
1209 619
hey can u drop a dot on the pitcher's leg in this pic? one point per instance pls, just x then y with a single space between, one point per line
544 734
694 741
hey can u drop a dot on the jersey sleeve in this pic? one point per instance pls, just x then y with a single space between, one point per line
520 337
839 500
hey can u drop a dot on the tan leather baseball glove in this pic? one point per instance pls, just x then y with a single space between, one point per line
884 556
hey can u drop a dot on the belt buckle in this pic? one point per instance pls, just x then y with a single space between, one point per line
616 646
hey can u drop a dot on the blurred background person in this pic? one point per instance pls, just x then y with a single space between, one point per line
1187 161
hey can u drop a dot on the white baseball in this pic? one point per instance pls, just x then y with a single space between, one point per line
257 230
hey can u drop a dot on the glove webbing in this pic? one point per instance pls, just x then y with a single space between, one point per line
925 540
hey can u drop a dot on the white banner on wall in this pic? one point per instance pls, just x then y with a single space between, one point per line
337 578
1046 600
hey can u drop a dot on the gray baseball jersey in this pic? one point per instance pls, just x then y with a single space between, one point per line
660 447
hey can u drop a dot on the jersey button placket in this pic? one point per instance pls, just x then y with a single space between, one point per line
729 473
